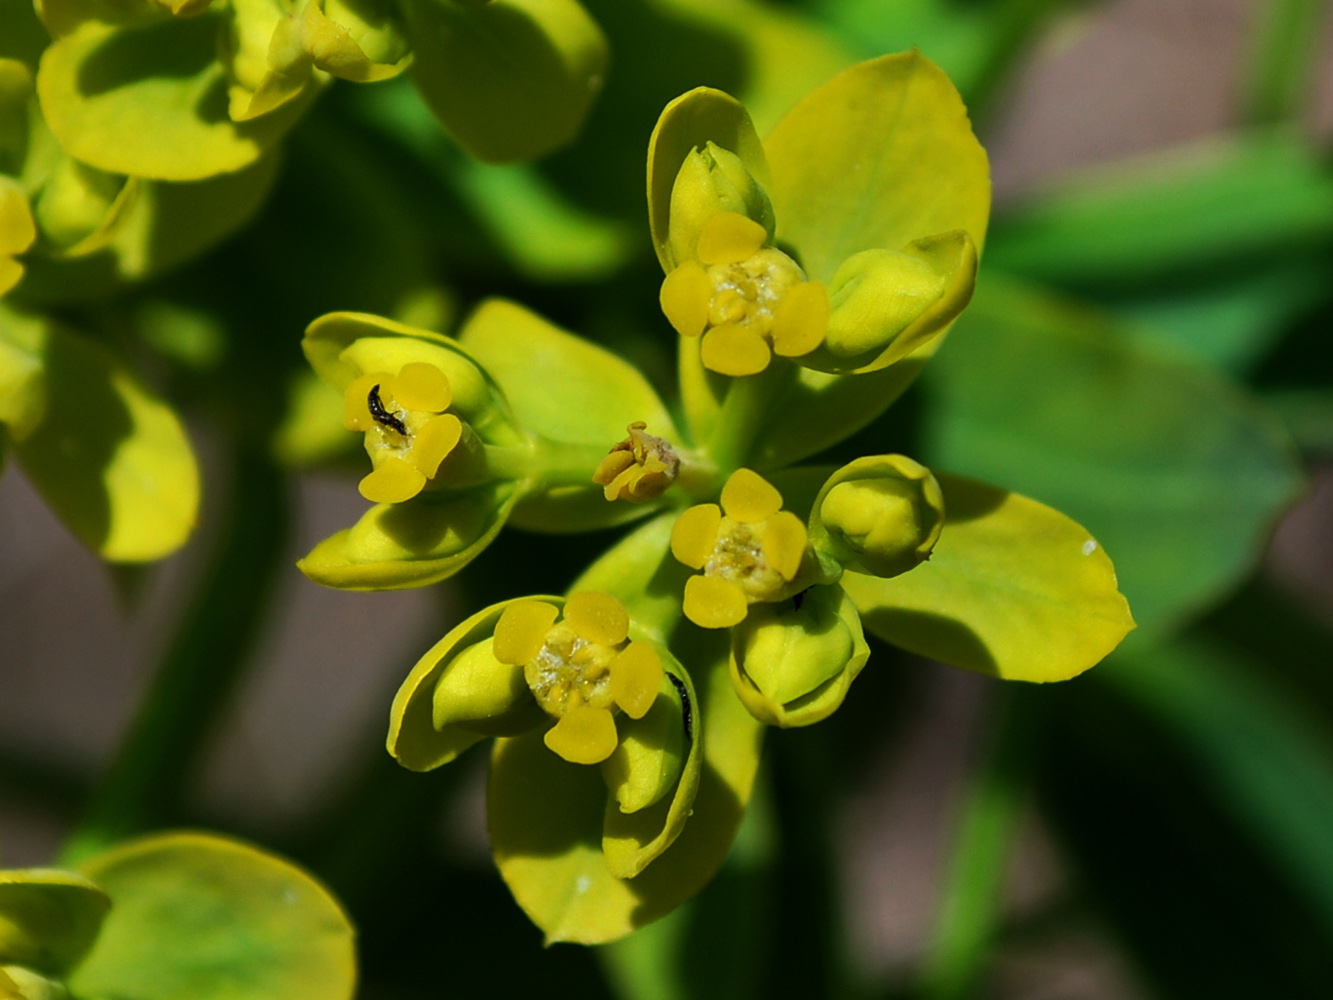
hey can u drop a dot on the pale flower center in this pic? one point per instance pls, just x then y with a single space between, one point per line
570 671
748 293
738 556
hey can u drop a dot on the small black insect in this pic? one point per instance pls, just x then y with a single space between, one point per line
381 415
686 710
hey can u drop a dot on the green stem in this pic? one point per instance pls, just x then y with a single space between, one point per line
974 888
1281 59
745 410
144 786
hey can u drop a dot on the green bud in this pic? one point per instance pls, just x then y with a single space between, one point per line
647 762
884 304
28 985
713 180
479 692
881 514
792 663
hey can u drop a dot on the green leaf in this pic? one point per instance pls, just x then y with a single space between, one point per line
200 917
48 918
561 386
109 457
556 869
412 544
1175 469
690 122
1012 589
1186 211
149 98
511 79
1281 61
881 155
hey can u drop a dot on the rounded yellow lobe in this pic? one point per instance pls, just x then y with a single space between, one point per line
636 676
729 238
356 401
711 602
521 631
695 533
749 498
597 617
734 350
433 442
422 386
800 321
392 481
685 296
583 735
784 543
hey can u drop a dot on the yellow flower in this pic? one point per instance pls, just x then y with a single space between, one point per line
17 232
748 300
581 669
750 551
408 433
639 468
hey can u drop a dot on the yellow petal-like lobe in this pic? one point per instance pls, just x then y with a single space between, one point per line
711 602
356 406
685 297
784 543
734 350
695 533
583 735
422 386
636 676
521 630
729 238
597 617
801 320
433 442
750 498
17 230
392 481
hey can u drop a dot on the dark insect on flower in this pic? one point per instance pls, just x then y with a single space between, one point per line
381 415
686 711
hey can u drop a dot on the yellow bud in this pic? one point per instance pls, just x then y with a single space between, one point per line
791 663
710 181
881 515
479 692
647 763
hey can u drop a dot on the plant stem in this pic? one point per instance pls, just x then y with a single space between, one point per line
991 818
1281 59
145 783
745 410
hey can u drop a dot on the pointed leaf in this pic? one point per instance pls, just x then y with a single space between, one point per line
1012 588
201 917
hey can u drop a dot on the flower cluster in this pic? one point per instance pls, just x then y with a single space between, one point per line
809 276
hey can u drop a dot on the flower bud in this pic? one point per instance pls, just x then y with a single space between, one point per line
479 692
647 762
792 663
713 180
881 514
